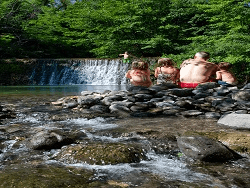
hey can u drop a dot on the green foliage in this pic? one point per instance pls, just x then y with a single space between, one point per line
106 28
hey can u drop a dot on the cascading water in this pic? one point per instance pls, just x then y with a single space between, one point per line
83 71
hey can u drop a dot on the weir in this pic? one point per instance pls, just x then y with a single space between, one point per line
78 71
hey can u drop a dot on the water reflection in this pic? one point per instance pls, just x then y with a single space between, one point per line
54 90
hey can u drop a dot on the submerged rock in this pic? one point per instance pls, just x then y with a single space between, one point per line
101 154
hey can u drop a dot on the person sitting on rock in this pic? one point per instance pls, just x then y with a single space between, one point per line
196 71
224 76
166 72
140 74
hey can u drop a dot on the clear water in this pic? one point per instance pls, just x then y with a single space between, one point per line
57 90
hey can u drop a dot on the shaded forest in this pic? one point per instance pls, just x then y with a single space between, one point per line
145 28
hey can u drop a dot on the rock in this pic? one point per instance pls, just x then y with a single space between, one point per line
100 108
89 100
205 149
161 94
234 120
185 104
222 91
165 86
181 92
120 110
43 176
225 106
207 85
85 93
139 108
214 98
238 141
128 104
171 112
159 87
101 154
190 113
242 95
241 112
70 105
57 103
155 110
154 100
247 86
143 97
108 100
163 104
200 95
214 115
207 97
53 139
140 90
143 114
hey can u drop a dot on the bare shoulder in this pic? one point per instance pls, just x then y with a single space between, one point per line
186 62
212 64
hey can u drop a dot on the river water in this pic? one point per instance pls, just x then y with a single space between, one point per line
32 106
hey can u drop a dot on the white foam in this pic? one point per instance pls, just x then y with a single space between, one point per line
96 124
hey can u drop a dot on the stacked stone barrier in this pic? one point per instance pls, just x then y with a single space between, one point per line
208 100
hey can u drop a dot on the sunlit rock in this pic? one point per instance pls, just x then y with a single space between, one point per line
235 120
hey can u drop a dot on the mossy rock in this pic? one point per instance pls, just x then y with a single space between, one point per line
101 154
43 176
237 141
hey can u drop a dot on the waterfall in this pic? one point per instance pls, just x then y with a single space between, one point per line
79 71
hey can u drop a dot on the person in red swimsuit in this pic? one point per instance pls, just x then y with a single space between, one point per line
140 74
197 70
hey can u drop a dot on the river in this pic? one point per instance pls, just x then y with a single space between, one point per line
22 167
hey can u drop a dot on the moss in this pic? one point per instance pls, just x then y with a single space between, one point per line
237 141
46 177
101 154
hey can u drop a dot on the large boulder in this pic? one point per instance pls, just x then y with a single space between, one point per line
205 149
235 120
